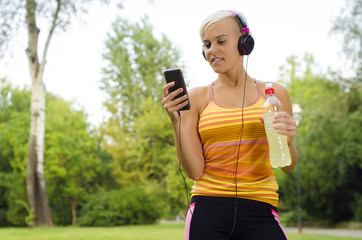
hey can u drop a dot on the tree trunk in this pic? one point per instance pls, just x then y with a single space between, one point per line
37 197
35 181
73 204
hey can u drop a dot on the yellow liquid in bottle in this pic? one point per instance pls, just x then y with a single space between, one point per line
278 145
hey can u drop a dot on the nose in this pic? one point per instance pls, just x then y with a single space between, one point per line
211 51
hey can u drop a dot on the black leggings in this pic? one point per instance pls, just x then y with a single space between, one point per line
212 218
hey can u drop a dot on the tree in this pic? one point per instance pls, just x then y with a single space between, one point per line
132 79
14 126
349 23
138 134
71 160
330 143
57 14
74 164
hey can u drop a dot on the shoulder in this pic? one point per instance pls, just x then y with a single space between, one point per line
199 97
281 93
199 90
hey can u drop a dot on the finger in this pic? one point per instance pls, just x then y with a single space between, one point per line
170 105
284 121
176 92
281 115
285 129
283 118
171 97
179 106
173 109
286 133
166 87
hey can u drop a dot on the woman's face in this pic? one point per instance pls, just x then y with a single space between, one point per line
221 41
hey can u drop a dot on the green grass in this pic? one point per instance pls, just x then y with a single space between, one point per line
164 231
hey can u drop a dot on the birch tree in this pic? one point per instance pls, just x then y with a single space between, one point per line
55 14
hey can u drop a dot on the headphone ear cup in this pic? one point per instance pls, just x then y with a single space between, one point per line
246 44
203 52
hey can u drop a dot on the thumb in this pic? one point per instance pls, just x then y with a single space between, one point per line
262 119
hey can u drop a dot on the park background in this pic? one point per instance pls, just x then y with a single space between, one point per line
109 157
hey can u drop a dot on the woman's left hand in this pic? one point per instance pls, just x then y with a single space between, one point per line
284 124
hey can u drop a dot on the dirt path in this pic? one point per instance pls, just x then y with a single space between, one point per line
332 232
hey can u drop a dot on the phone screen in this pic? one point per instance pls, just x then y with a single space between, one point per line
175 75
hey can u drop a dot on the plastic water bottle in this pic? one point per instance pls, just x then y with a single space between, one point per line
278 146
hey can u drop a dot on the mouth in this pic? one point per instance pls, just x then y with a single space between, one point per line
216 60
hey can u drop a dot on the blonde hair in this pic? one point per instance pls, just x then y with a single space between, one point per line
218 16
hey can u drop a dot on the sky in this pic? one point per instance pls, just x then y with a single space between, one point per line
280 28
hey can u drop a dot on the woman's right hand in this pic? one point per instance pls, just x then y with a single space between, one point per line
172 106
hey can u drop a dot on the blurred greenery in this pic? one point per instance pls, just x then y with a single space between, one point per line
138 134
72 156
90 170
163 231
330 139
129 205
125 171
330 143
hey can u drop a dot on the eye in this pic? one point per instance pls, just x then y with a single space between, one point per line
207 45
221 41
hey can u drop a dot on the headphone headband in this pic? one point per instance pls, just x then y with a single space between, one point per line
246 41
244 26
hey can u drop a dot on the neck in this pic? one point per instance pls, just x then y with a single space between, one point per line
234 78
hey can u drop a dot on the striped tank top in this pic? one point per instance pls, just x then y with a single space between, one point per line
219 129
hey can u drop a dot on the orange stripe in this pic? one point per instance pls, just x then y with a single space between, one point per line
219 129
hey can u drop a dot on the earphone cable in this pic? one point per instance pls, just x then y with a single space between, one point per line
237 156
179 166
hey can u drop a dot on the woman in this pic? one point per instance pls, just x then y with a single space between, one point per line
223 143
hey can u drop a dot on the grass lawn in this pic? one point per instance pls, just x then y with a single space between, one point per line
163 231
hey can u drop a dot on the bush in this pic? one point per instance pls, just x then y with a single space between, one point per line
129 205
60 206
16 214
358 209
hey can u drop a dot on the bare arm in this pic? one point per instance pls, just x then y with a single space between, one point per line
191 148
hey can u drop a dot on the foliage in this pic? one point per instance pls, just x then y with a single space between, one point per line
51 15
330 131
349 23
73 157
138 134
128 172
30 218
330 144
14 129
73 165
129 205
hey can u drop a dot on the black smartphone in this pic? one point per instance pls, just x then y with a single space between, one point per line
175 75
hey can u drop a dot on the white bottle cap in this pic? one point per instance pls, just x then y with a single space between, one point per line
268 85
